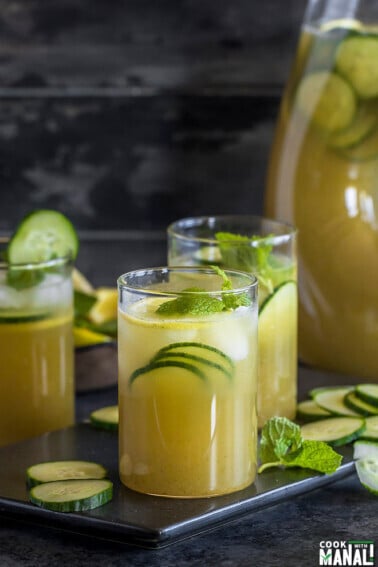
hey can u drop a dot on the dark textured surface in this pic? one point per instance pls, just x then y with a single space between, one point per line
285 535
133 163
130 115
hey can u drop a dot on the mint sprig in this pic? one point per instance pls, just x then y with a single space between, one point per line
247 253
282 445
191 304
195 303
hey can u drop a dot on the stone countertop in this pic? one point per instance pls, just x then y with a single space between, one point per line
284 535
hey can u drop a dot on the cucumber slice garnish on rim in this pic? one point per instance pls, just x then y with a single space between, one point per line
335 430
72 495
105 418
41 236
367 470
63 470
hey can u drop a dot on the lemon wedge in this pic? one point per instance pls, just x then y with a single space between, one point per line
80 282
105 308
86 337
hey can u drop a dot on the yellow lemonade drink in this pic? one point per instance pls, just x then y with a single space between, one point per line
36 351
323 177
227 241
187 389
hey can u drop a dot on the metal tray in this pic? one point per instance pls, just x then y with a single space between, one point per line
133 518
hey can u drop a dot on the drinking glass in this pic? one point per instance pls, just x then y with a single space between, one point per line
36 348
187 381
323 178
267 249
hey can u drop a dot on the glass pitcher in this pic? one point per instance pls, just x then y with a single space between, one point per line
323 178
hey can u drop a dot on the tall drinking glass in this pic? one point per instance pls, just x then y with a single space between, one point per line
268 249
187 381
36 348
323 178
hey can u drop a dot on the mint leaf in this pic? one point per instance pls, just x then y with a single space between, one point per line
232 300
83 302
191 304
282 445
315 455
247 253
279 436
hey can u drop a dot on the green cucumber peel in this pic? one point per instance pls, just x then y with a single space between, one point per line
282 445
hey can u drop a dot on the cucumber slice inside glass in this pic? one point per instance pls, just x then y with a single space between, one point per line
63 470
209 352
105 418
72 495
327 100
335 430
368 393
367 470
154 369
356 60
332 400
309 410
361 127
358 405
42 236
363 449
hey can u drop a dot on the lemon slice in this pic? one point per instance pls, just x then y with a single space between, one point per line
80 282
342 23
86 337
105 307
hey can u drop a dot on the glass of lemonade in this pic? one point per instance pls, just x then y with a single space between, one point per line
323 178
187 381
36 348
268 249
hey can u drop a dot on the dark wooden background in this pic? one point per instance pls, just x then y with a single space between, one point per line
127 114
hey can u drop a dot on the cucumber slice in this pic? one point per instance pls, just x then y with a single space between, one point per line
362 126
105 418
309 410
209 352
315 391
153 367
41 236
19 318
63 470
368 393
365 151
332 400
327 101
363 449
358 405
202 363
335 430
371 431
367 470
72 495
356 60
